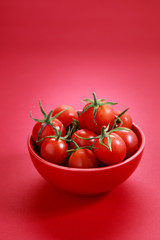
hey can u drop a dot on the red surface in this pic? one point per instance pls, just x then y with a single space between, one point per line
60 52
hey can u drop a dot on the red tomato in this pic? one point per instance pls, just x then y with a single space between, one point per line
108 157
81 123
85 133
54 150
130 139
126 118
83 158
104 116
67 116
47 130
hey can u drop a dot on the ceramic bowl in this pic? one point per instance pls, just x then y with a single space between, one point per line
88 182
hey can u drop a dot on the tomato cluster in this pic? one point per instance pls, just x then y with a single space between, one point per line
94 137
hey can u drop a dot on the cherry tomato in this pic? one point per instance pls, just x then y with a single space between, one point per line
130 139
108 157
54 150
47 130
67 116
81 122
126 118
104 116
85 133
83 158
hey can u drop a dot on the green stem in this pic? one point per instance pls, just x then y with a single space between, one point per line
118 129
103 132
123 112
41 129
49 116
87 138
58 134
57 115
42 110
54 128
95 99
47 121
76 145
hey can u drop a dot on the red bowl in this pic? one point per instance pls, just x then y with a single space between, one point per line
92 181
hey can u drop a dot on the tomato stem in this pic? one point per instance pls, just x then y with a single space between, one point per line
42 110
47 121
41 129
58 134
95 104
118 129
57 115
118 120
87 138
103 132
76 145
95 99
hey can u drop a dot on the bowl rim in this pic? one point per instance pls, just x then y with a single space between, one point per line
140 149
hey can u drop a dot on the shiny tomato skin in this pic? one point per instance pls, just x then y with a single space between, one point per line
67 116
47 130
81 122
131 141
104 116
83 158
115 156
126 118
54 150
85 133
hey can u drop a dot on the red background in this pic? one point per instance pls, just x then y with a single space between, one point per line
60 52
